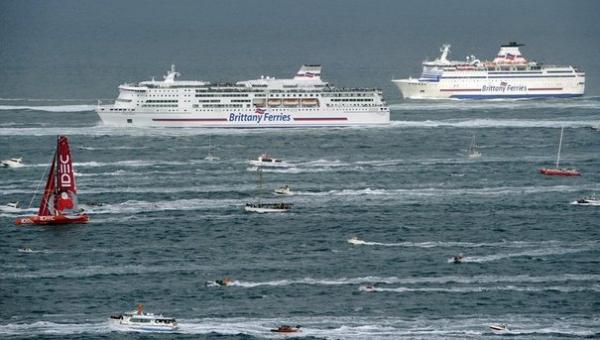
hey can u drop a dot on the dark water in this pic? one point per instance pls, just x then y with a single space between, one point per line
171 221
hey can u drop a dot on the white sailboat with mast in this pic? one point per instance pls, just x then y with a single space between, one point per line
474 149
210 157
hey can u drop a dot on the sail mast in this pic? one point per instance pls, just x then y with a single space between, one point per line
45 208
559 147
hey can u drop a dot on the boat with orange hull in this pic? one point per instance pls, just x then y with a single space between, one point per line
558 171
59 201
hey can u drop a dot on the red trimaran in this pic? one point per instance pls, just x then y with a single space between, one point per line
59 202
559 171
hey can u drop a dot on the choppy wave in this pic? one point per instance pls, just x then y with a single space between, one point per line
50 108
342 327
90 271
494 123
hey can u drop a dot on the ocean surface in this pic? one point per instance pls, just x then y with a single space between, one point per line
170 223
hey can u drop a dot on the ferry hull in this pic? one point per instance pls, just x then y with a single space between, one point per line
247 119
489 89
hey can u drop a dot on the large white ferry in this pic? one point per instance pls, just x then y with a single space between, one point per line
304 101
509 75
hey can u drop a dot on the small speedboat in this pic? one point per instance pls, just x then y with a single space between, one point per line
25 250
139 321
11 207
367 288
460 258
225 282
286 329
590 200
262 208
499 328
284 190
12 162
265 160
355 240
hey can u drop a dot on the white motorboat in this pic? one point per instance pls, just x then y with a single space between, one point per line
210 157
499 328
11 207
588 200
267 161
12 162
355 240
284 190
139 321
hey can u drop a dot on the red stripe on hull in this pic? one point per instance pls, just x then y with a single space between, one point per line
319 119
189 119
546 89
459 90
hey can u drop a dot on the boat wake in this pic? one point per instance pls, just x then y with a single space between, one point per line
494 123
450 244
529 253
462 290
452 279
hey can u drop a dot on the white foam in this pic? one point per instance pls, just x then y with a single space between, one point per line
478 279
530 289
451 244
507 104
553 251
494 123
342 327
49 108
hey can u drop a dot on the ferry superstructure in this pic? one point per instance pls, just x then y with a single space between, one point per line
509 75
303 101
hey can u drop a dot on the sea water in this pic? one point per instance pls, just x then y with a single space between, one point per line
169 223
164 221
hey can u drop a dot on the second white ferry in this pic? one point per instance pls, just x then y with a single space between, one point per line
304 101
509 75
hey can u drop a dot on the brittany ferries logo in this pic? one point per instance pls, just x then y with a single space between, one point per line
260 115
503 87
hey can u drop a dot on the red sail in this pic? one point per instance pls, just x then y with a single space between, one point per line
66 190
47 205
